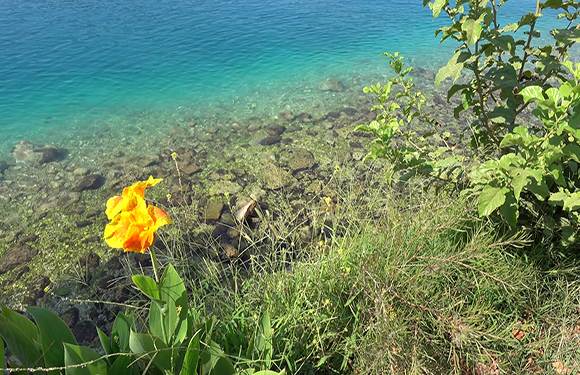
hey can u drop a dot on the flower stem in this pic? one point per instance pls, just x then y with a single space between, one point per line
155 264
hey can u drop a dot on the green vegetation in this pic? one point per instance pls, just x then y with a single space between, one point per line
405 267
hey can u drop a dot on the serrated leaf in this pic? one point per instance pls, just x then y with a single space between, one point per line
490 199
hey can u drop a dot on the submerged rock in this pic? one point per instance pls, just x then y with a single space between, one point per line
271 140
275 177
286 115
28 152
3 166
92 181
332 85
16 256
274 130
300 159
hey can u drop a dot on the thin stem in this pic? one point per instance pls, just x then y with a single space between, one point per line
155 264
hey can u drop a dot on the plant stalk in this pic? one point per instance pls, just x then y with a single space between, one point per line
155 264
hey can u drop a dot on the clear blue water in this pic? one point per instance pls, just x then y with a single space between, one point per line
70 64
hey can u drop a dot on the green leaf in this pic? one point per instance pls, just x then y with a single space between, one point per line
19 344
21 322
572 202
146 285
566 36
191 358
2 359
557 199
453 68
153 348
490 199
532 93
269 372
214 362
472 29
539 189
120 333
53 333
76 355
264 340
568 235
519 181
573 150
438 6
123 365
105 342
172 291
510 210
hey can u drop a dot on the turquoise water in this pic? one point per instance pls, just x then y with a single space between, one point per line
67 65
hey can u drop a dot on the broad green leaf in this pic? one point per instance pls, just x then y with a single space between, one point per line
214 362
172 291
146 285
573 150
21 322
53 334
572 202
438 6
2 359
453 68
269 372
511 139
76 355
539 189
568 235
532 93
510 210
19 344
490 199
191 358
472 29
120 333
105 342
153 348
123 365
519 181
566 36
558 198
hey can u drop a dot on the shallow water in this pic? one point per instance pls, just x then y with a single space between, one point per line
68 66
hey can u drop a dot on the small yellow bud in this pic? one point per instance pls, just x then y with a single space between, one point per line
168 196
174 155
347 270
571 139
328 200
327 301
321 243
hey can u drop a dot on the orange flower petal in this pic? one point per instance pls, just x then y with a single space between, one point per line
160 217
113 207
140 186
115 232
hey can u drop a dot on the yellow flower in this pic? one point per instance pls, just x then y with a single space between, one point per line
133 221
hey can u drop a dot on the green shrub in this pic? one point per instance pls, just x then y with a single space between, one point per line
524 170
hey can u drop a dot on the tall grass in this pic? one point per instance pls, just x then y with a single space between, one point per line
394 281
